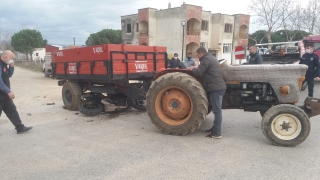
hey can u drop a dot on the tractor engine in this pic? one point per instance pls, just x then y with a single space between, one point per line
240 95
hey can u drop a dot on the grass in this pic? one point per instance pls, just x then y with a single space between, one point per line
30 65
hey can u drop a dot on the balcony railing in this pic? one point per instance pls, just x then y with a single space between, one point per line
143 32
193 32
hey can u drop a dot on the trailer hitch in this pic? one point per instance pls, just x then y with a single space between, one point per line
311 106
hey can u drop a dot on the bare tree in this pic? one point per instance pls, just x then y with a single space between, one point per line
311 15
292 21
270 13
5 39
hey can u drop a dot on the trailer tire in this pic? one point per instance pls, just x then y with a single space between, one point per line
177 103
285 125
91 111
136 104
71 93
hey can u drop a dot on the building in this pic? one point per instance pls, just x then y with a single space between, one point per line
38 54
218 33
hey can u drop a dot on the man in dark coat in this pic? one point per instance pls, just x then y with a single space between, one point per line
213 83
255 57
174 62
312 61
6 95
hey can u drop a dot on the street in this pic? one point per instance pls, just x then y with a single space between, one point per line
67 145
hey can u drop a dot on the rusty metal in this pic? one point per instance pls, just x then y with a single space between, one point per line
311 106
176 104
302 78
285 90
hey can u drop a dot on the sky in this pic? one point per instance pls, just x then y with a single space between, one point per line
59 21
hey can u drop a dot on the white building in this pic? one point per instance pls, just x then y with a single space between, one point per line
38 54
218 33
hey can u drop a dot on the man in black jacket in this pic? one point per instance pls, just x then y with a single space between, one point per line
214 84
6 95
255 57
312 61
174 62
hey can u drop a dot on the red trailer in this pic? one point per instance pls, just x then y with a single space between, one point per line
97 77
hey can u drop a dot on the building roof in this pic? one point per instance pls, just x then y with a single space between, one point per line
54 45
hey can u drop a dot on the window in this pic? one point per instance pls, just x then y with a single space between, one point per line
228 28
128 42
226 48
204 25
203 44
128 28
137 27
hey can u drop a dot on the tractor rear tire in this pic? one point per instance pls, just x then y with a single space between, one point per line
177 104
285 125
71 93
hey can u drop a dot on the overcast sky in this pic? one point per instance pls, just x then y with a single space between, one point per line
61 20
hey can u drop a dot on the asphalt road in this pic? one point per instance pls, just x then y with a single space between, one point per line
65 145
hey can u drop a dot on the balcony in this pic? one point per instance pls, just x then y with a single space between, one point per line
194 32
143 33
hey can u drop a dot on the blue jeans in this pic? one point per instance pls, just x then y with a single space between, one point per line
216 102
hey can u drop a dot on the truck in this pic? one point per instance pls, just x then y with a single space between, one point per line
47 66
96 79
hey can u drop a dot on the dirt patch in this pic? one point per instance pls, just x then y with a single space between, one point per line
33 66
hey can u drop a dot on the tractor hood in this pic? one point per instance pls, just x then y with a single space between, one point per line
276 75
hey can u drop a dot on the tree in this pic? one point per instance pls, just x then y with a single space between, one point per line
270 14
27 40
311 15
105 36
257 37
292 24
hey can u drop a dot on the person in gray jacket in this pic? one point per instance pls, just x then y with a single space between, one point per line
214 84
189 60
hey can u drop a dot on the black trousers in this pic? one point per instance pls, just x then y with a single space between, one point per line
310 82
8 107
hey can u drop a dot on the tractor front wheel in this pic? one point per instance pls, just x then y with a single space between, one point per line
285 125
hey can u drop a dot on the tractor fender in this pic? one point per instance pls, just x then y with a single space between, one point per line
166 71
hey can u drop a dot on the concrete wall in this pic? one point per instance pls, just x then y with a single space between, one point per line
205 35
216 38
133 36
227 38
152 27
169 30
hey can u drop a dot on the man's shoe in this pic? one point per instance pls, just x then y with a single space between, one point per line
209 130
213 135
24 129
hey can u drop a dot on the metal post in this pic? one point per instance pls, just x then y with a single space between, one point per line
74 41
182 42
